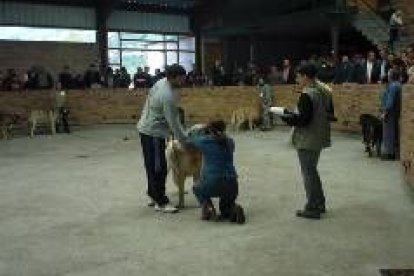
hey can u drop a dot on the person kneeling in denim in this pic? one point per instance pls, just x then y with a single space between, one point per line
218 175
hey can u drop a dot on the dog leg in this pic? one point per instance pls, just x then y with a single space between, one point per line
32 128
369 147
251 124
233 120
52 122
179 180
9 131
4 132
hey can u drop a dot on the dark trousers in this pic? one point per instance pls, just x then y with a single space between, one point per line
62 121
153 149
390 135
397 137
308 160
394 37
224 188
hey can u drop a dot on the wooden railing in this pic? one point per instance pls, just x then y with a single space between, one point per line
364 5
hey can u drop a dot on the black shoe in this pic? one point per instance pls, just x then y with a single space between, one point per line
208 212
322 209
308 214
388 157
237 215
151 203
222 218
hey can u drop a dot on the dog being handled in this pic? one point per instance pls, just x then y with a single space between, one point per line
371 133
183 162
7 121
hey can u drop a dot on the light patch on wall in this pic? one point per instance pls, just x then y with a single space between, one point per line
47 34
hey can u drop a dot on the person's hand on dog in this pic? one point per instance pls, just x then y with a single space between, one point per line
384 116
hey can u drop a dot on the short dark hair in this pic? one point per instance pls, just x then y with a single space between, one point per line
394 75
175 70
216 126
308 69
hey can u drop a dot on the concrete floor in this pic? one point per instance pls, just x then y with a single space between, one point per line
76 205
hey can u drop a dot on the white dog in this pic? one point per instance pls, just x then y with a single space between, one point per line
47 117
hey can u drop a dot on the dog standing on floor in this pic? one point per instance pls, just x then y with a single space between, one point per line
371 133
47 117
242 115
7 121
183 162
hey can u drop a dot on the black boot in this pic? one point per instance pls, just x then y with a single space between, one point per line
388 157
208 212
309 214
237 215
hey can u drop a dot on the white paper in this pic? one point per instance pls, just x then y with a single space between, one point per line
278 110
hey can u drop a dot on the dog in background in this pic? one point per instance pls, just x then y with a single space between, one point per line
183 162
7 121
371 128
47 117
242 116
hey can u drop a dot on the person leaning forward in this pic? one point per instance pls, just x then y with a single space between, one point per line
159 118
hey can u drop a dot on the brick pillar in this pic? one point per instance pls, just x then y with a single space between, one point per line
103 10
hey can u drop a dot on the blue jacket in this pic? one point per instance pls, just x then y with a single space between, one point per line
217 159
391 99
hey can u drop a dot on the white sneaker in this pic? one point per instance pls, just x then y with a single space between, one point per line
167 208
157 207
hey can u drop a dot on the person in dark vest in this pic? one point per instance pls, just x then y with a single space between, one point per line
125 78
266 99
288 75
344 71
372 69
311 134
140 79
92 78
65 78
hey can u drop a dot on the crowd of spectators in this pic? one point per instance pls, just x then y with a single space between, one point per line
37 77
360 69
370 68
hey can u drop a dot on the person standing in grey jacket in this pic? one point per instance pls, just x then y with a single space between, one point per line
311 134
159 118
266 99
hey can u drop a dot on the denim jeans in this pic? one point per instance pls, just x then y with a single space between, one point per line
225 188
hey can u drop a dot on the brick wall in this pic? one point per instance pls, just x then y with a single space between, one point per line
123 106
407 134
350 102
203 104
53 56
